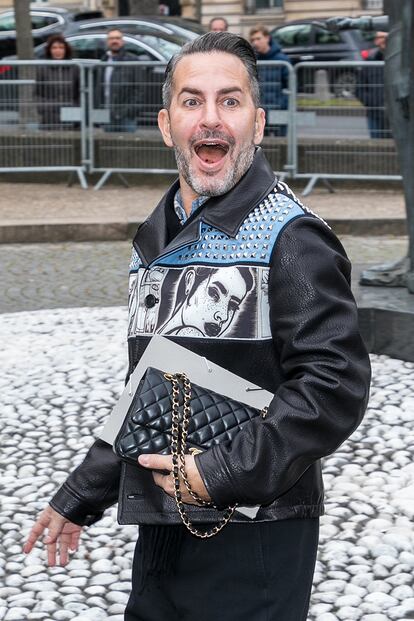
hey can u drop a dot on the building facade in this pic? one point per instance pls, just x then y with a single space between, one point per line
241 14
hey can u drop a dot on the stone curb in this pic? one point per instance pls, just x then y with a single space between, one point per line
121 231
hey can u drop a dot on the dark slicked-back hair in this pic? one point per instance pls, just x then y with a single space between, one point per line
215 42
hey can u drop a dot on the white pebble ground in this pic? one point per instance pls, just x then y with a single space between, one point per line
61 372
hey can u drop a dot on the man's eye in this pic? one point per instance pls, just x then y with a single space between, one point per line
230 102
190 103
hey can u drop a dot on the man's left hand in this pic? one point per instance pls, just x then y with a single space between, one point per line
166 481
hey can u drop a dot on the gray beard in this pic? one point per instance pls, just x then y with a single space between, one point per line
214 188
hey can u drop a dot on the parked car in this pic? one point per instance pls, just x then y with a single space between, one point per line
148 47
45 22
307 40
184 30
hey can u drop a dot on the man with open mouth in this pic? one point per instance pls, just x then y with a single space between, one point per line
232 266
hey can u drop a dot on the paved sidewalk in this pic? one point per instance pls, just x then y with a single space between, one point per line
44 212
64 275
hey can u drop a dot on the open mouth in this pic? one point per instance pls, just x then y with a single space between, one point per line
211 152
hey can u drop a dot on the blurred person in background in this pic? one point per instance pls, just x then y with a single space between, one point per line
57 85
218 24
119 87
370 89
273 80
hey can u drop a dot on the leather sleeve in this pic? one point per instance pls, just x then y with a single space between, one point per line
324 363
91 488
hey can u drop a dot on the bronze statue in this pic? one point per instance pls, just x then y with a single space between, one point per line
399 66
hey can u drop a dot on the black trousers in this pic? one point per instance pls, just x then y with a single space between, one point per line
248 572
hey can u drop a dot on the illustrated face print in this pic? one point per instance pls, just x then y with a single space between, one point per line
212 305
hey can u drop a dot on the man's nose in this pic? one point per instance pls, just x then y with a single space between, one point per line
211 116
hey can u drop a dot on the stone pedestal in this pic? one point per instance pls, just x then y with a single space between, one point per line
386 318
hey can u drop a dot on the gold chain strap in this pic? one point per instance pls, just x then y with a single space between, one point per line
179 434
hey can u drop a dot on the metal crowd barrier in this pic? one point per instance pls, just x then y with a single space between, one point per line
344 132
277 81
124 102
324 120
42 117
123 134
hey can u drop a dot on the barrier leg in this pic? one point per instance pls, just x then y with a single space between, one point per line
70 179
312 182
310 185
328 186
82 179
124 181
103 180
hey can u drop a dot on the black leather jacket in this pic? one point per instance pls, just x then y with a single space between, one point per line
293 330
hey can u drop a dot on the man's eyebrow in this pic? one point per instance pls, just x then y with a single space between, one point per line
197 91
230 89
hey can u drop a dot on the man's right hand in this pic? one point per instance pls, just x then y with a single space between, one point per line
62 536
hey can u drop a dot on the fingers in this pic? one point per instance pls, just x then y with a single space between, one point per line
64 543
74 542
34 535
166 482
51 554
37 530
156 462
56 525
61 536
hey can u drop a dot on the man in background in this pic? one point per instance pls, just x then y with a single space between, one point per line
119 86
218 24
370 89
273 80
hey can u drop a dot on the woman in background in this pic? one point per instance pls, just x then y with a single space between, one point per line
57 85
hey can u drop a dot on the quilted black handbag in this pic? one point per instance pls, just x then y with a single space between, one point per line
169 414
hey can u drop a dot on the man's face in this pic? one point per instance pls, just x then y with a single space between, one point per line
212 306
381 40
212 122
115 41
218 25
260 42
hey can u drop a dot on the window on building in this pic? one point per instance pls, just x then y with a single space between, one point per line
269 4
371 5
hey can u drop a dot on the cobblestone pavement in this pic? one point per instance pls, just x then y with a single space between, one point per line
36 276
53 400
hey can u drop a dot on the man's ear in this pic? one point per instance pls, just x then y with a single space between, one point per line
259 125
164 125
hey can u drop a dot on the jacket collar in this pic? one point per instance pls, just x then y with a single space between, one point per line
225 213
